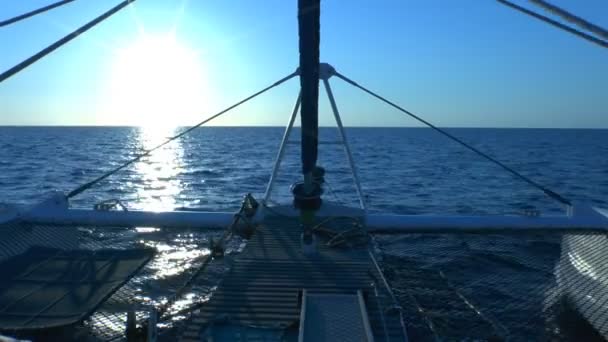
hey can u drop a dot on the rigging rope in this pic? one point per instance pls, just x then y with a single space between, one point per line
42 53
548 192
576 20
555 23
86 186
243 216
34 12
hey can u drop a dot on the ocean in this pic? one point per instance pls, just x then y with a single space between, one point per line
402 170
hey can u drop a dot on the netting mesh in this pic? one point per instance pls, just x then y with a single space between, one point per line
160 284
524 286
180 253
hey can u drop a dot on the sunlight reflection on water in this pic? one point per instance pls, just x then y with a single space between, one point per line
173 257
178 255
159 184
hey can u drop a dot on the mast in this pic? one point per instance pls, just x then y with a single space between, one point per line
307 195
308 24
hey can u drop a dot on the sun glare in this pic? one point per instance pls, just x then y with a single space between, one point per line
157 81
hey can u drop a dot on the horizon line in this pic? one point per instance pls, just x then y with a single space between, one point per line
283 126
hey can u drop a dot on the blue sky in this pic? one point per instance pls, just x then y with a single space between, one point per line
468 63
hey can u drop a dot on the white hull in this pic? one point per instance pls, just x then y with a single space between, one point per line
582 276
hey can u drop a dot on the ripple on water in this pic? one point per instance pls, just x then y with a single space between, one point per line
403 170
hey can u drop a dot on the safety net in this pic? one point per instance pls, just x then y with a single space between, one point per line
97 279
515 286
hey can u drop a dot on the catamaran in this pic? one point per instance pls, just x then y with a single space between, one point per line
309 270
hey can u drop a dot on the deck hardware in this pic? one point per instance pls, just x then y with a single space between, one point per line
152 328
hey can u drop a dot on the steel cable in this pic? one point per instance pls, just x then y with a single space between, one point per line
33 13
548 192
576 20
47 50
555 23
87 185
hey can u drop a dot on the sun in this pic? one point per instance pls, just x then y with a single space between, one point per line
156 81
